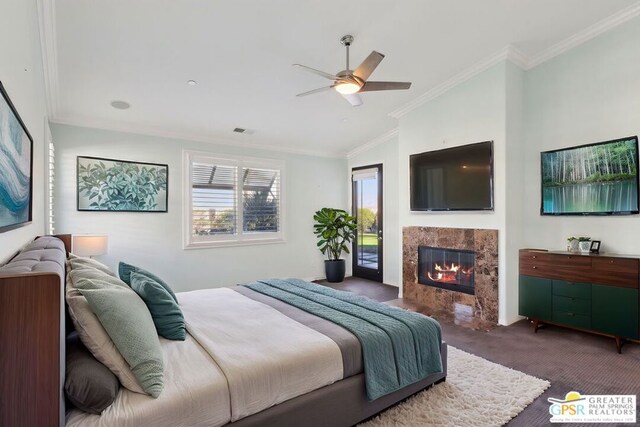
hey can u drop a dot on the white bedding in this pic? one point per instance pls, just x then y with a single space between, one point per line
266 357
239 358
195 394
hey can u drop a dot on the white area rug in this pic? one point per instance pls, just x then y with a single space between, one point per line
477 393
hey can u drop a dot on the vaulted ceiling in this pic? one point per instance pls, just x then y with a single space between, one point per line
240 54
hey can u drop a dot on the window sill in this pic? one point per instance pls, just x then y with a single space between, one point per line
231 243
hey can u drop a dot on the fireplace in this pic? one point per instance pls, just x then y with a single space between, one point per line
444 268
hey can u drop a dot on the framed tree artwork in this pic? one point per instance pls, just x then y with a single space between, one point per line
16 166
121 185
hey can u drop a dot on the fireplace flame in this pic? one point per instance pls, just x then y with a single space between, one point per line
449 273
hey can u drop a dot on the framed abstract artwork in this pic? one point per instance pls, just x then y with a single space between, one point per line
16 167
121 185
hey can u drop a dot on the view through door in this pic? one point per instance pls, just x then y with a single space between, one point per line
367 208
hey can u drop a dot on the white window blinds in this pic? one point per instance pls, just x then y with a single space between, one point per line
260 200
50 183
233 201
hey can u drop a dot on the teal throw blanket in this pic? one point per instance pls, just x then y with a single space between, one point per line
399 347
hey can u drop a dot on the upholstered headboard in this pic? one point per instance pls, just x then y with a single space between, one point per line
33 333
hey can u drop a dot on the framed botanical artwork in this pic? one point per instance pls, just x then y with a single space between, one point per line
121 185
16 167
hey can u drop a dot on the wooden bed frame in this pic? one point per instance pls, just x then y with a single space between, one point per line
32 364
32 343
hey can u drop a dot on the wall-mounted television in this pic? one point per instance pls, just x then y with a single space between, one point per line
592 179
453 179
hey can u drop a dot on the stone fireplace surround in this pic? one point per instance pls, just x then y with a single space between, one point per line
479 311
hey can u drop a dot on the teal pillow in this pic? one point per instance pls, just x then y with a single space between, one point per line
128 322
125 270
165 312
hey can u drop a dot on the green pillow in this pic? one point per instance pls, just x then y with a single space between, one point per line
125 270
128 322
165 312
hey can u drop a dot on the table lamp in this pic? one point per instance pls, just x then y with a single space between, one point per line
90 244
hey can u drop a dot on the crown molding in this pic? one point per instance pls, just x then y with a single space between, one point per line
585 35
372 143
508 53
184 136
512 54
49 52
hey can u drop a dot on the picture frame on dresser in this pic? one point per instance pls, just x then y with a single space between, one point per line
595 247
16 162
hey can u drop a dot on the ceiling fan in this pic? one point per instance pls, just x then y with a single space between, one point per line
349 83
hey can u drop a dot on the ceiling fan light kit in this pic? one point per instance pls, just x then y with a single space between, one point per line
347 88
349 83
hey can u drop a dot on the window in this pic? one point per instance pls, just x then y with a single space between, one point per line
51 156
232 201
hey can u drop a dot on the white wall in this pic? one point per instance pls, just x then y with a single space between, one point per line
474 111
154 240
514 182
387 154
589 94
22 76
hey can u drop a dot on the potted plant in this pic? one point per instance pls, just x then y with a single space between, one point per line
572 244
335 229
585 244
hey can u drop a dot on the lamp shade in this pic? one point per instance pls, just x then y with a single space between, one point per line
90 244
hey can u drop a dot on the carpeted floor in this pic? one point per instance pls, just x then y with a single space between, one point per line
570 360
477 393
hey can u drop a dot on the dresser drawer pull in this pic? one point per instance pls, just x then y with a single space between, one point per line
534 257
611 261
534 267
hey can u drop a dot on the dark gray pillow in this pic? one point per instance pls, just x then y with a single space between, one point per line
90 386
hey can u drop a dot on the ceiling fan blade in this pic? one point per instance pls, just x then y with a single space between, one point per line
322 89
354 99
365 69
371 86
318 72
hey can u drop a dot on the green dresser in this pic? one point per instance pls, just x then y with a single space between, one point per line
592 293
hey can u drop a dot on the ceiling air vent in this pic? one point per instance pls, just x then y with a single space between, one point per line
244 131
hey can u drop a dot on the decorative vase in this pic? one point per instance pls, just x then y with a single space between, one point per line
573 246
585 246
334 269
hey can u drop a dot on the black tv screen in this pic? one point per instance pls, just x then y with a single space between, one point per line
453 179
593 179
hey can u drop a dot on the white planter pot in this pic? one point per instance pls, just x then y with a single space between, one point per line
573 246
585 246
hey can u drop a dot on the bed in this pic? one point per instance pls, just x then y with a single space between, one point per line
253 357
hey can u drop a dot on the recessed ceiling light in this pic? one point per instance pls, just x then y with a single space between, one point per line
120 105
192 82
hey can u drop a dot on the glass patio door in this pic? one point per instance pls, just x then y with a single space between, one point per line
367 208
